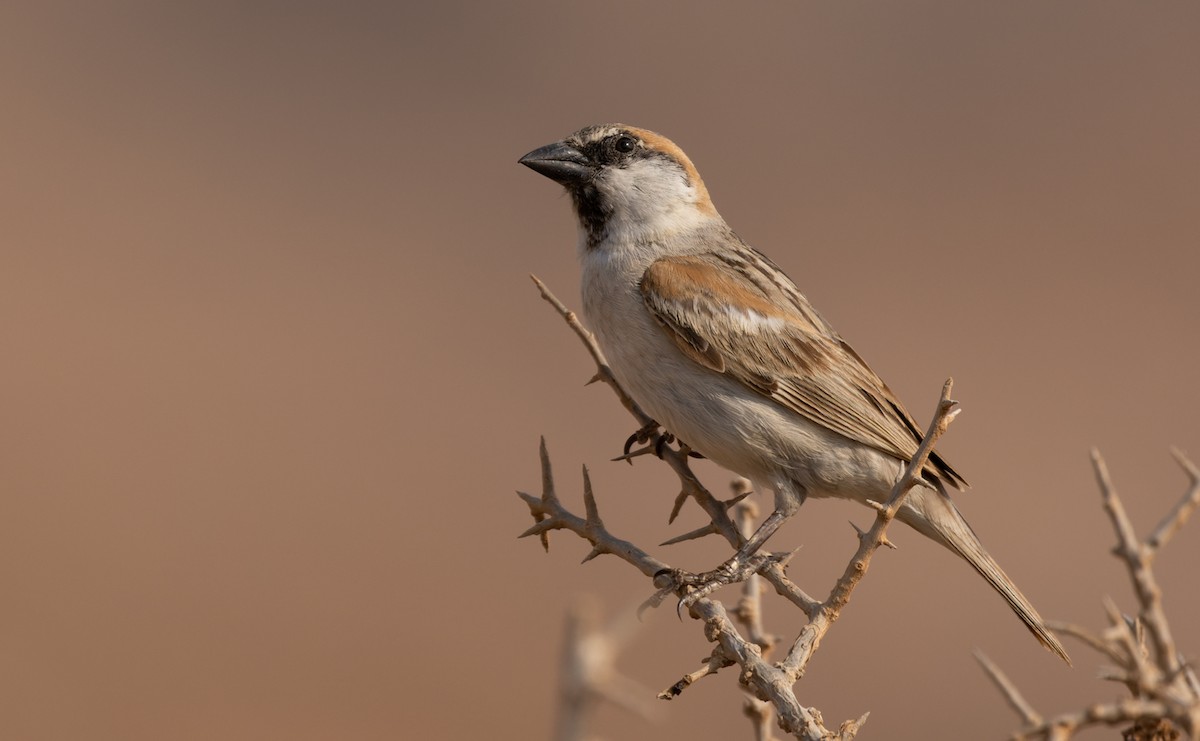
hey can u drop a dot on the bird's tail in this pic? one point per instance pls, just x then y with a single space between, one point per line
933 515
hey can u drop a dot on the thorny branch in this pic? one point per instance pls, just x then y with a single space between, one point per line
749 613
766 681
1165 691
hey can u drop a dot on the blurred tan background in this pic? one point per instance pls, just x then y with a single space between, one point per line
273 367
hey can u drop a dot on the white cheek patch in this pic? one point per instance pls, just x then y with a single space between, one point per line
654 179
651 197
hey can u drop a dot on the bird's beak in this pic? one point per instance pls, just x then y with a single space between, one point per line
560 162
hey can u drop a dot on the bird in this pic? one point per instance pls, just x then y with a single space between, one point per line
715 342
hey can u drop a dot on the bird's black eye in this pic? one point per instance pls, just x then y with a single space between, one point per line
625 144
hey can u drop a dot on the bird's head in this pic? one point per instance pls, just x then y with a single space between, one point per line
627 183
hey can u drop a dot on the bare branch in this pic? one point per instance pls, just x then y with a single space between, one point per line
749 608
874 538
603 372
549 514
1178 516
1130 710
1137 557
1083 634
749 613
1009 690
767 681
824 616
716 661
1165 694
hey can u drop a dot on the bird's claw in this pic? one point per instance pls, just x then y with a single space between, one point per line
657 598
655 441
695 587
645 434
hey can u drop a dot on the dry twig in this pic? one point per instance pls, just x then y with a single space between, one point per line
749 613
1165 693
768 682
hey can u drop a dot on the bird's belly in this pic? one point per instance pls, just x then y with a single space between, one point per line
734 426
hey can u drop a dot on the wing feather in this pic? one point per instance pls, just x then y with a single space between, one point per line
724 315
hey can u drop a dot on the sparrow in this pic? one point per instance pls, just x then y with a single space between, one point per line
719 346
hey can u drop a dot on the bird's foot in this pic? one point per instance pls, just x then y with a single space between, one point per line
696 587
654 441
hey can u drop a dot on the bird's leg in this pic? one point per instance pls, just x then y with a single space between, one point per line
745 562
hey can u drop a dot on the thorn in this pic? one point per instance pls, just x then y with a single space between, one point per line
548 494
592 554
883 538
876 505
549 498
653 600
709 529
675 509
539 528
778 557
628 457
539 516
594 379
589 501
729 503
786 558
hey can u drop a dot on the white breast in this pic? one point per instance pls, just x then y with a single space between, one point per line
711 412
735 427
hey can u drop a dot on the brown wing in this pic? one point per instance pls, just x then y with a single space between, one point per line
725 316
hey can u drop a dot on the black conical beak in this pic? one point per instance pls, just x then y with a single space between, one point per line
560 162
